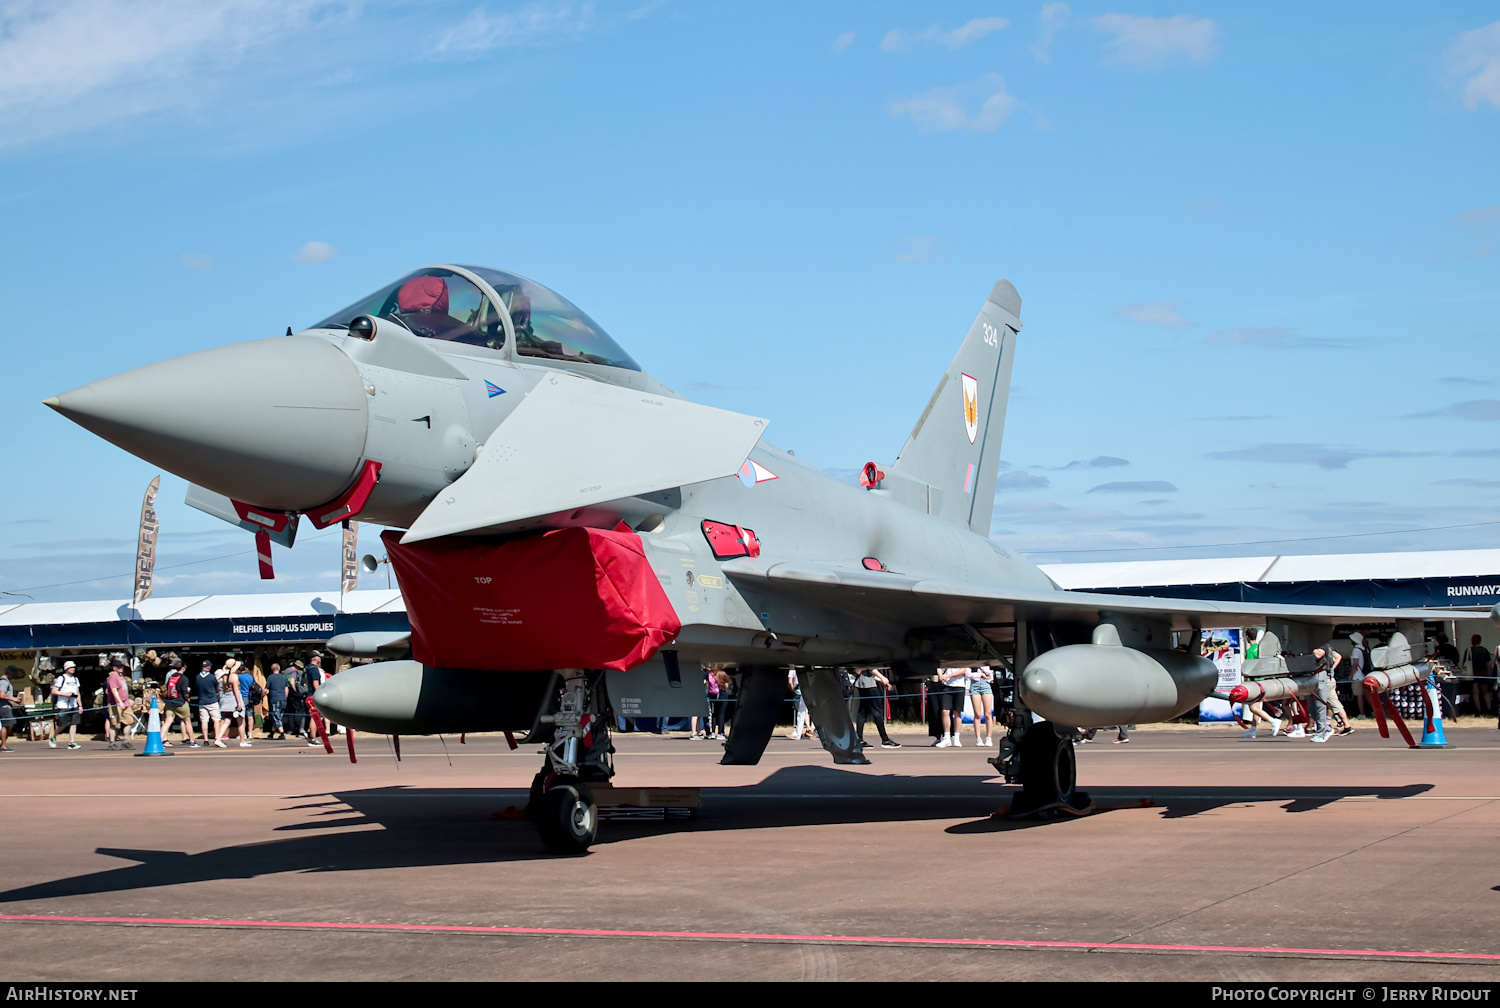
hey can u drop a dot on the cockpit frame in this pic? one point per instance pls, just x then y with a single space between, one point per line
508 351
549 330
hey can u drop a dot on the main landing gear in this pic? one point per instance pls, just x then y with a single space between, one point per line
580 753
1041 760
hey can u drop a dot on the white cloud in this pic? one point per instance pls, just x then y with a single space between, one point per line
843 42
1476 55
314 252
943 109
1162 313
1276 336
1479 216
899 41
922 248
67 65
1152 41
534 24
201 263
1054 18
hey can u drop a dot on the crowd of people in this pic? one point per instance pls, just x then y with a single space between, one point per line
225 700
868 691
218 701
205 706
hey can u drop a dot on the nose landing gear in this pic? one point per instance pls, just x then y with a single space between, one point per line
561 805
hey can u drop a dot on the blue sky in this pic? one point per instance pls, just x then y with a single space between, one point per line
1258 244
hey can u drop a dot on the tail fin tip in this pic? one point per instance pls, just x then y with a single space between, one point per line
1007 297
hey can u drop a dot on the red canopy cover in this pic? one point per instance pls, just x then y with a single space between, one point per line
570 598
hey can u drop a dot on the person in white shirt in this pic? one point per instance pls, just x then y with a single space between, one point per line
65 692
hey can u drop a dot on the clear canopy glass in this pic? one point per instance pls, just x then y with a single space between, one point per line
441 304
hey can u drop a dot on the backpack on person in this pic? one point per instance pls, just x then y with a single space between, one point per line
257 692
174 687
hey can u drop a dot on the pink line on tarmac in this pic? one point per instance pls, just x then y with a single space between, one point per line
749 936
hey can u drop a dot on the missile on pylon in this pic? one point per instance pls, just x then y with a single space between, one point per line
1257 690
1403 675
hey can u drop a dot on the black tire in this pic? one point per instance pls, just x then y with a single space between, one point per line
568 819
1049 768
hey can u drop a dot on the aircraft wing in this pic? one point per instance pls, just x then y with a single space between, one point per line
935 601
574 442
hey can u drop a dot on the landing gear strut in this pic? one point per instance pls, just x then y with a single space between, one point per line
580 752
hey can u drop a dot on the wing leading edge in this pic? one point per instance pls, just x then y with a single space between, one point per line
943 600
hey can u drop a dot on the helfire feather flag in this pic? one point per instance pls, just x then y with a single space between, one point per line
145 546
351 559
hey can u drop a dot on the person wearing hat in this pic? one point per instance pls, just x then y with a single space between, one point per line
65 694
116 705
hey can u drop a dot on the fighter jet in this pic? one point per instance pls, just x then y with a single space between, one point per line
574 540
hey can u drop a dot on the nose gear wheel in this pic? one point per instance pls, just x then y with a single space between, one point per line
561 804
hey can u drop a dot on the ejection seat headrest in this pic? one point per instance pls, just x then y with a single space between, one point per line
423 293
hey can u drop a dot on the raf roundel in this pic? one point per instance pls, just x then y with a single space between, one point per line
752 473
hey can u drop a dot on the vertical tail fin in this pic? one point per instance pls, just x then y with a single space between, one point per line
954 450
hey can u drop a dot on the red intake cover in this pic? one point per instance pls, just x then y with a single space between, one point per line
570 598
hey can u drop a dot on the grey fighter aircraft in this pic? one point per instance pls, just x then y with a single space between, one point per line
576 534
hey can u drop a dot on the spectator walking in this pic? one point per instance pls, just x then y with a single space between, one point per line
276 691
10 705
871 687
1257 712
65 701
174 698
116 706
1326 695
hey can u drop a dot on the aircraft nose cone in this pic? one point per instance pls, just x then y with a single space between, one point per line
278 422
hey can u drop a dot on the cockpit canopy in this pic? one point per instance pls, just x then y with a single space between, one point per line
445 303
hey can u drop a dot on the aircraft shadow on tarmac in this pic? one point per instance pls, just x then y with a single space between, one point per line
433 827
1181 802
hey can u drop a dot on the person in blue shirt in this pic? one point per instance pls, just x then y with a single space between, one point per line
247 721
206 699
276 691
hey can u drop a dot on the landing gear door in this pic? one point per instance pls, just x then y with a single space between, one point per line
649 691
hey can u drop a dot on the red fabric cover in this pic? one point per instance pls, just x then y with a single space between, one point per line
570 598
423 293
